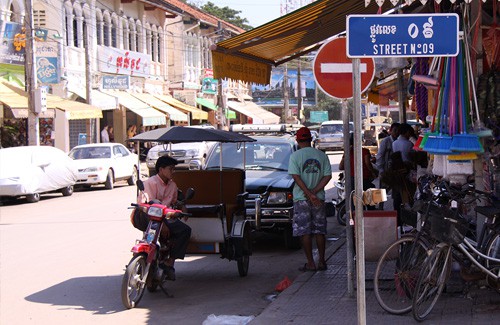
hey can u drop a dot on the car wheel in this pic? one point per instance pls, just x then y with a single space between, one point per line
67 191
133 179
109 180
33 198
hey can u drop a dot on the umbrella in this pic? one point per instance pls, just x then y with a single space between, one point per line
177 134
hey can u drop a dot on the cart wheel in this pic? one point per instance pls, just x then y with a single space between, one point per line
243 263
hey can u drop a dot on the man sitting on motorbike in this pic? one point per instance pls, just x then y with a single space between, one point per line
161 187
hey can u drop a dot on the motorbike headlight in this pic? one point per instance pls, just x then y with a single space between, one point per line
192 152
155 211
277 198
92 169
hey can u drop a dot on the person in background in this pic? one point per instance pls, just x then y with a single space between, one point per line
131 132
369 172
385 148
384 153
104 134
162 187
111 134
402 162
402 143
311 171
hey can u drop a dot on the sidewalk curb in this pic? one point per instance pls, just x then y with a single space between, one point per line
271 314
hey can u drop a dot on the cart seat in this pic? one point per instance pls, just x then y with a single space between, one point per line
218 193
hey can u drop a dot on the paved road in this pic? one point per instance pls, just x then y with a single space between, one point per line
62 260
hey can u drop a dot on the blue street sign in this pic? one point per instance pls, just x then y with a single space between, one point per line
402 35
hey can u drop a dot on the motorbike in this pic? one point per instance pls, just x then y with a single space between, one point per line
144 271
339 203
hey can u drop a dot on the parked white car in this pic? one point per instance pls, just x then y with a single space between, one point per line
187 154
190 155
33 170
104 163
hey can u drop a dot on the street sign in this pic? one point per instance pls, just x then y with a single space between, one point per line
426 35
333 70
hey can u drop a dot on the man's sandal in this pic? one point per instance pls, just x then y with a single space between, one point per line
305 268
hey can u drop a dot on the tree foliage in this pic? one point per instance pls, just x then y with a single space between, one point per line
227 14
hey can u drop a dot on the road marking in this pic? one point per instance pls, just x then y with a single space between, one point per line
341 67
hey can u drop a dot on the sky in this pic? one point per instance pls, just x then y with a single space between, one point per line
258 12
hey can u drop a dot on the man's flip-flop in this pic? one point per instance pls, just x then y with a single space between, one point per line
306 269
322 267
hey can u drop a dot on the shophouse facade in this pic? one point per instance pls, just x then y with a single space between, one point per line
139 62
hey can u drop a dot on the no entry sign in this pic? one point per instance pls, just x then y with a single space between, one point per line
333 70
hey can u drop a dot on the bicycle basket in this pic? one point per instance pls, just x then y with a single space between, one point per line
446 226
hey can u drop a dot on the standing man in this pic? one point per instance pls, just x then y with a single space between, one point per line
104 134
311 171
162 187
385 148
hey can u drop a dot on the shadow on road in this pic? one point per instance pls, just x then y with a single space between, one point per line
98 294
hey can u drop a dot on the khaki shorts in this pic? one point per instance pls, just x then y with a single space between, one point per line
308 219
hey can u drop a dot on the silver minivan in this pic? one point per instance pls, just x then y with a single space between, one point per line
331 135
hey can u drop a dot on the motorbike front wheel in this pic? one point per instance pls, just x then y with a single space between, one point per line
133 282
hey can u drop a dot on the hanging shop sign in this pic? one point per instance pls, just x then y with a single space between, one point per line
402 35
209 86
12 47
113 60
116 82
47 62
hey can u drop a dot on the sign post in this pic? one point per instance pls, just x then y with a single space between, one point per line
341 78
389 36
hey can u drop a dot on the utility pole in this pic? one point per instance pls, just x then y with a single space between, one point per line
286 95
30 75
299 94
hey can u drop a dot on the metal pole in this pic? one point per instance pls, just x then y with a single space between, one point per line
31 82
347 200
358 177
299 94
401 97
286 94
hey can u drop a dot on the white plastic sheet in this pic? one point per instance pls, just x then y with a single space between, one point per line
227 320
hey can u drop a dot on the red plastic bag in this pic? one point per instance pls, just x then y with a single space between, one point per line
285 283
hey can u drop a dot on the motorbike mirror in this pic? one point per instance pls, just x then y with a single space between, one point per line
189 193
140 185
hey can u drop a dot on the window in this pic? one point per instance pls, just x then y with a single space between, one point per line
39 18
114 40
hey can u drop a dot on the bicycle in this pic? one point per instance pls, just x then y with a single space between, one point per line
450 229
399 266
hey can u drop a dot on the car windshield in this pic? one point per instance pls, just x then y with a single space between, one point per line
90 153
333 128
258 155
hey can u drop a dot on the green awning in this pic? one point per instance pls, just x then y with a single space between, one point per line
209 104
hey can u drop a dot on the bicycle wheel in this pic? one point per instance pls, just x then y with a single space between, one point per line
431 280
397 272
493 250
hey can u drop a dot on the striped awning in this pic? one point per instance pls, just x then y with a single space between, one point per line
173 113
149 115
196 113
16 99
258 114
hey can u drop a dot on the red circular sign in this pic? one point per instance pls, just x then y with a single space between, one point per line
333 70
